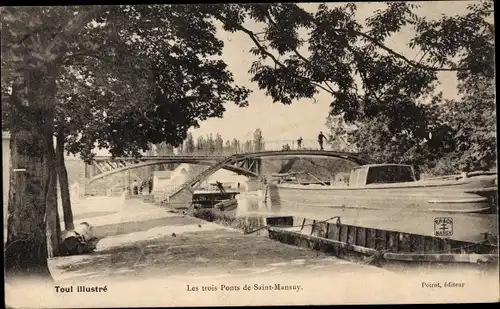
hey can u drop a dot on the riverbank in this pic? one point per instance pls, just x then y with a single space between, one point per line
151 257
139 239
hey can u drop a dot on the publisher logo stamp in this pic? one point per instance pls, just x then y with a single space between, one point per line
443 226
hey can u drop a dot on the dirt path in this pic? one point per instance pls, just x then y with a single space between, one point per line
142 240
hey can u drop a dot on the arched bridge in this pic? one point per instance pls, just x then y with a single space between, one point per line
106 166
247 164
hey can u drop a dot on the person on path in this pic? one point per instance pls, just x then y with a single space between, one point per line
135 188
321 137
299 143
150 185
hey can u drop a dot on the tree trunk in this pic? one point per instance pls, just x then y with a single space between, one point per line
52 216
63 183
26 247
29 190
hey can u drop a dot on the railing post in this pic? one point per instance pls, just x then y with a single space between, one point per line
88 171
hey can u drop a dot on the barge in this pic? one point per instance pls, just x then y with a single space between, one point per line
394 187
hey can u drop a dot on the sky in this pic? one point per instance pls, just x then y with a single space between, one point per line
303 118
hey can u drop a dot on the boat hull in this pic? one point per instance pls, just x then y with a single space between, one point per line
467 196
227 205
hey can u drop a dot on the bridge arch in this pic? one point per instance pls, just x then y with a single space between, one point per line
228 167
234 161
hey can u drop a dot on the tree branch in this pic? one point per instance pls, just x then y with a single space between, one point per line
263 50
396 54
296 52
378 44
72 27
108 60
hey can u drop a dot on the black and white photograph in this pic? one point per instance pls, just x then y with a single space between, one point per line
263 154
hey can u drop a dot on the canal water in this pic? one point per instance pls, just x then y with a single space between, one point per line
466 227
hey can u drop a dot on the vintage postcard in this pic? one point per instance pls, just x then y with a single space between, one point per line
249 154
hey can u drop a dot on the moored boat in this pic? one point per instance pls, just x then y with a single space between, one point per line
212 197
227 205
394 187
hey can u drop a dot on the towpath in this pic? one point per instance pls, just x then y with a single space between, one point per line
142 240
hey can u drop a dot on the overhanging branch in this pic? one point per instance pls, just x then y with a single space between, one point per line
296 52
396 54
264 51
378 44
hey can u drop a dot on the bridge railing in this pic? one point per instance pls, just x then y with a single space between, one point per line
273 145
278 145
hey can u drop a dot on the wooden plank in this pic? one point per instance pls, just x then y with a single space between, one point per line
437 244
333 231
321 229
343 233
351 234
392 241
404 242
370 238
448 257
380 239
313 239
428 244
417 243
459 247
446 245
361 236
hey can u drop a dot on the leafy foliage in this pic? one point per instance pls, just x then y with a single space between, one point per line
189 145
133 75
210 145
389 98
258 140
472 120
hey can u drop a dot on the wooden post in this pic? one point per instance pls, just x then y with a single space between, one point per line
361 236
370 238
351 235
393 242
343 233
381 240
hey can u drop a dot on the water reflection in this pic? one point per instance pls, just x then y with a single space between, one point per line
467 227
250 202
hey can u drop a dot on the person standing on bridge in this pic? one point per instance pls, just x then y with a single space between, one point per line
299 143
321 137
